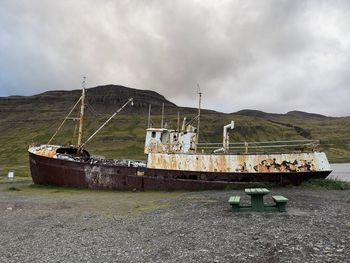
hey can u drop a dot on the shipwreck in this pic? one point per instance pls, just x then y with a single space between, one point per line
176 160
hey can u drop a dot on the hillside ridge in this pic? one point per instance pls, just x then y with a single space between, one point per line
111 95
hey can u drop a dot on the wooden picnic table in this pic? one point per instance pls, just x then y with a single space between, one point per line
257 198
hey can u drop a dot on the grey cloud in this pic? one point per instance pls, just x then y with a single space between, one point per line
274 56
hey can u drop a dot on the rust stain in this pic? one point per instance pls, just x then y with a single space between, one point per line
270 165
238 163
46 153
67 173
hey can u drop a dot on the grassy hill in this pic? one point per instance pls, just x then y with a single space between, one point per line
33 120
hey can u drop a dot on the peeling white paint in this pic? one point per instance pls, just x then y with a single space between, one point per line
299 162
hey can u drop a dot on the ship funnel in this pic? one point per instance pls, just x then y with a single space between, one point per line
226 139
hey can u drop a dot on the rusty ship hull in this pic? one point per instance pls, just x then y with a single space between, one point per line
50 171
175 160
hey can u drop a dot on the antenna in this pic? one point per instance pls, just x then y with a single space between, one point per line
199 111
162 115
149 116
178 121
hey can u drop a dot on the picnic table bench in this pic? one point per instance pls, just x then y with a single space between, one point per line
257 201
234 202
281 202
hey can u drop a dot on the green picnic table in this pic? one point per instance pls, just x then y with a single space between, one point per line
257 198
257 201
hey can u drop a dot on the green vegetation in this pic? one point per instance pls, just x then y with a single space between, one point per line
114 202
124 136
12 188
326 184
33 120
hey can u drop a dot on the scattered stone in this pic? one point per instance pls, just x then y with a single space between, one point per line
188 229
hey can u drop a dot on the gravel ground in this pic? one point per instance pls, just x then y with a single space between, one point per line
55 225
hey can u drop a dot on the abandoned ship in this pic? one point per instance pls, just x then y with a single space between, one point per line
176 160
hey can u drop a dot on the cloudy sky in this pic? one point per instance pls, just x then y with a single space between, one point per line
273 56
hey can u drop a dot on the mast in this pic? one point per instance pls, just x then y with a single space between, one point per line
82 106
199 113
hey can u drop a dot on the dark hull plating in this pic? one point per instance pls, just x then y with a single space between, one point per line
50 171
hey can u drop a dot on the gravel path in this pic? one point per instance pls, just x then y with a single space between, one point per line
54 225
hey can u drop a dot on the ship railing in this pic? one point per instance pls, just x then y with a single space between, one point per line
261 147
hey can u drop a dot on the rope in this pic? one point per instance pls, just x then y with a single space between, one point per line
59 128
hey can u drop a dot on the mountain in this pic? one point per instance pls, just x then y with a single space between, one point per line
303 114
28 120
99 100
261 114
256 113
107 98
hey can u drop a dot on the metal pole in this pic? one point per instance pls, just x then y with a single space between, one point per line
199 113
149 116
81 121
178 121
162 115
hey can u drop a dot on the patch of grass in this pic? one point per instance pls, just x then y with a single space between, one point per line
148 207
326 184
4 180
12 188
347 225
107 203
60 190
